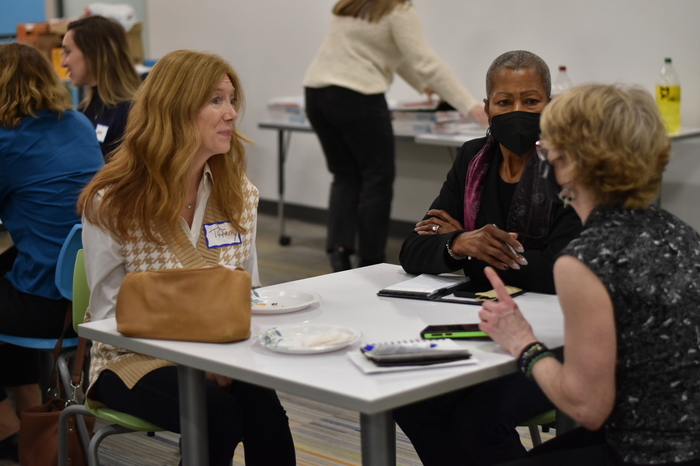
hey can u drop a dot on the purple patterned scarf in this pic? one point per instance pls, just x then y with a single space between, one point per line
474 185
529 213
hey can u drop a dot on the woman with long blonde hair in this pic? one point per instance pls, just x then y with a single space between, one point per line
180 168
369 41
48 152
96 54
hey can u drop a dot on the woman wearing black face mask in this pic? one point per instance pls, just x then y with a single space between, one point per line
493 208
494 190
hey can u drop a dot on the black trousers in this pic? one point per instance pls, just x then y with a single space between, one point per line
24 315
474 426
241 412
579 447
358 142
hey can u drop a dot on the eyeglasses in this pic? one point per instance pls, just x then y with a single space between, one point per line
542 151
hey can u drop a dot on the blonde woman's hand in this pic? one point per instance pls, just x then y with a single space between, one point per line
503 321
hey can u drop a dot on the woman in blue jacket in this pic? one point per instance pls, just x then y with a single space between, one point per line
48 152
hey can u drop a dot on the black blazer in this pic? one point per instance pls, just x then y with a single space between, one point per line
428 253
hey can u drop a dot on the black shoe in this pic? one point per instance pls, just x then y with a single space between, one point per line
340 260
8 448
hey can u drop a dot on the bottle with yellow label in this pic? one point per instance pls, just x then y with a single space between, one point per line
668 97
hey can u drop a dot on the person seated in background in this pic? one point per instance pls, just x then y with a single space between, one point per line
96 54
48 152
494 196
492 208
629 288
146 210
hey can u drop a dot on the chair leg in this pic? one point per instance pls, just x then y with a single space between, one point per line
564 423
535 435
100 435
78 410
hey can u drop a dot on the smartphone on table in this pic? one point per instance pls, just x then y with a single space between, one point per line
454 331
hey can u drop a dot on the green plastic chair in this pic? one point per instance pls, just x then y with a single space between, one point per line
122 423
546 420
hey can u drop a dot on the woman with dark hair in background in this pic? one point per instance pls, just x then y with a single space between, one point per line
96 54
369 41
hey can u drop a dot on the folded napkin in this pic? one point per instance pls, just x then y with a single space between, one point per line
324 338
491 294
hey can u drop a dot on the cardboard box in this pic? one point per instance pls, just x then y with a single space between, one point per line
46 36
133 37
38 36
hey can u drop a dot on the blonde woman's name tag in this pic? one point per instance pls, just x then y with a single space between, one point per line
221 234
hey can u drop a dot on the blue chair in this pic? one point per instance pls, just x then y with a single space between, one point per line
64 267
122 423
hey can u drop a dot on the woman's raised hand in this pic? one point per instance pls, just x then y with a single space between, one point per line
503 321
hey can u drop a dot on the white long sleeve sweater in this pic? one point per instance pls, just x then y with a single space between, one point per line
364 56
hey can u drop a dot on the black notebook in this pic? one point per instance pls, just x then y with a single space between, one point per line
446 288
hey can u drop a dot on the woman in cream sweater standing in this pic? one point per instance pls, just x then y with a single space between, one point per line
369 41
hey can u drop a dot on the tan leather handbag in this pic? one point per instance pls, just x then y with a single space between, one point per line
207 304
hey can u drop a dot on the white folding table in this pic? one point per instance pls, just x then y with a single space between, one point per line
348 299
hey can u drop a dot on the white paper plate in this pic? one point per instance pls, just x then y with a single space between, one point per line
307 338
281 301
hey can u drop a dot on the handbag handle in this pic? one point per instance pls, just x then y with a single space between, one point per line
76 379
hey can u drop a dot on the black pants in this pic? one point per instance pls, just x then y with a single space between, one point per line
24 315
242 412
358 142
474 426
579 447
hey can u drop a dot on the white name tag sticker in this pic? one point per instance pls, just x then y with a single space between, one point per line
221 234
101 132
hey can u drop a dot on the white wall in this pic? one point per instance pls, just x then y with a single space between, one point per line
271 42
76 8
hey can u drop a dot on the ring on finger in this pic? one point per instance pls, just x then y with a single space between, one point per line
435 228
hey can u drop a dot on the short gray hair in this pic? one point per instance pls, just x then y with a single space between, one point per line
517 60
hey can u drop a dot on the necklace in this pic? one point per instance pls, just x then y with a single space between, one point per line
189 206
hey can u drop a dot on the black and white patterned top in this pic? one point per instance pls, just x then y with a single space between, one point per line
649 261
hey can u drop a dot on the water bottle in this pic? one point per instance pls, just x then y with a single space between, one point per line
668 97
561 83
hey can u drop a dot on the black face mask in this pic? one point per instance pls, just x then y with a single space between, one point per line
517 131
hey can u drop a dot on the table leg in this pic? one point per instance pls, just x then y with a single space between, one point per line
281 158
193 416
378 438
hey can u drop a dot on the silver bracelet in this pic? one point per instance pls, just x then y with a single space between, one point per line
449 247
